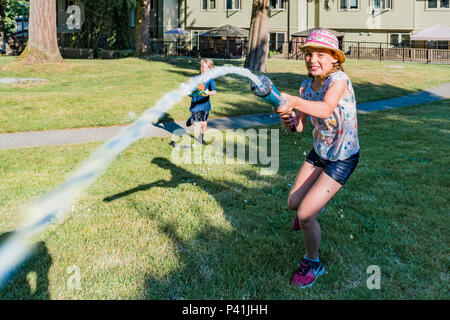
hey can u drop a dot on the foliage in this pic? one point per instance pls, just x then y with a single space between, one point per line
116 30
12 9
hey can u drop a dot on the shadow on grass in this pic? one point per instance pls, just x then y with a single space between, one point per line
30 281
253 238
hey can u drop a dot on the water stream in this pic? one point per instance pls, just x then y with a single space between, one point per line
53 205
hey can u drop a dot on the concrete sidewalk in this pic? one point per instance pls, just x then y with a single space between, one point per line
83 135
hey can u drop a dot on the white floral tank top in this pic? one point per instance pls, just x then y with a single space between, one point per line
335 138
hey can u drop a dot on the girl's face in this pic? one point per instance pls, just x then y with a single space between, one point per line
319 61
203 68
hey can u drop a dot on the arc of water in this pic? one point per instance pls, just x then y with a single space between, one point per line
54 204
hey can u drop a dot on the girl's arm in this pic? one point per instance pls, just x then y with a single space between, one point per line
318 109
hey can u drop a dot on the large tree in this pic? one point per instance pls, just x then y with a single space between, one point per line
258 44
42 45
143 28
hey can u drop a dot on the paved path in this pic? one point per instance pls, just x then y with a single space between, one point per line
83 135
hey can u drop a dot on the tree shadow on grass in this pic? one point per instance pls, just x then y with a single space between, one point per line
30 280
218 256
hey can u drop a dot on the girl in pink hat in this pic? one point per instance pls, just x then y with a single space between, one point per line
327 96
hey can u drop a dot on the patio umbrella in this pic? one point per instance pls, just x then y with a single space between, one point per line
437 32
177 31
226 31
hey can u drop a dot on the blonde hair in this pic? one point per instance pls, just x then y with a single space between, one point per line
208 62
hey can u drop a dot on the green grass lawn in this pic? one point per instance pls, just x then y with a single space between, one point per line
86 93
152 229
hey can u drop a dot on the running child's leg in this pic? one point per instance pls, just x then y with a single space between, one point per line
314 200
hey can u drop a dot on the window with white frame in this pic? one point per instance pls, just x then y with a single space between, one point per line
382 4
276 41
233 4
438 4
208 5
399 39
278 4
349 5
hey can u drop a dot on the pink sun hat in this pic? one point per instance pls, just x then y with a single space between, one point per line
321 38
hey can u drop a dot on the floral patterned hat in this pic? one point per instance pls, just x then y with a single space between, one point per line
321 38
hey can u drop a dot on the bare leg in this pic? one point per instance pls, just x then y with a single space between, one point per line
204 125
306 177
316 198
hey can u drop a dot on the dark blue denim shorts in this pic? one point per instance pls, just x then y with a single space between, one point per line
339 170
200 116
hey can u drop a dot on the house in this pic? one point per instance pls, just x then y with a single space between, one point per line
385 21
285 17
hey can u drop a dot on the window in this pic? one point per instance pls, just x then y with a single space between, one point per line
278 4
152 4
349 5
276 41
438 4
437 44
233 4
399 39
208 5
382 4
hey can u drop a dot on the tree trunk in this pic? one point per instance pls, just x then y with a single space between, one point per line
143 28
258 44
42 46
2 23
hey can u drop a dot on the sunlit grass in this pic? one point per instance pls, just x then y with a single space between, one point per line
150 228
86 93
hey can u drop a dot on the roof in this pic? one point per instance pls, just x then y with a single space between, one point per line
305 33
226 31
437 32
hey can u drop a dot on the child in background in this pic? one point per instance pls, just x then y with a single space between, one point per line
200 104
328 98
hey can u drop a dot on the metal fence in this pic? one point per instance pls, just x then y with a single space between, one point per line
238 48
289 50
384 51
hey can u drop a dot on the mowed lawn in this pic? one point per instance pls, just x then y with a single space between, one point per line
86 93
149 228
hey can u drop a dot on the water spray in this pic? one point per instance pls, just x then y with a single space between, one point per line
267 91
53 205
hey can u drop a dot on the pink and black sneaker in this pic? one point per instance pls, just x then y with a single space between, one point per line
307 273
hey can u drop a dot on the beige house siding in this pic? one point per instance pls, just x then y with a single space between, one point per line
399 17
197 19
425 18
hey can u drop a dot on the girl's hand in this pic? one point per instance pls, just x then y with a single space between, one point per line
287 108
289 120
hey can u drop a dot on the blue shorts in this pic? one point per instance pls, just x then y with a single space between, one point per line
339 170
200 116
